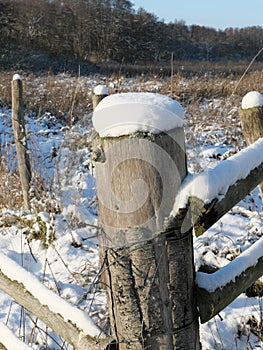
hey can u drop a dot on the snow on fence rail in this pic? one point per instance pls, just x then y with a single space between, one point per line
7 338
217 290
212 194
206 198
213 184
68 321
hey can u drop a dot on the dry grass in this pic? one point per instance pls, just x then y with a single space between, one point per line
65 95
62 95
69 99
10 189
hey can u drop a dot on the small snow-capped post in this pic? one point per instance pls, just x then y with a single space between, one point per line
251 115
139 154
18 124
99 92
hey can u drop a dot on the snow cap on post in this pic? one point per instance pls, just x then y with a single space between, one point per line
127 113
17 77
101 90
252 99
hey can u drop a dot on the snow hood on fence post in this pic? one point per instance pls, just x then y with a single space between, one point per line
127 113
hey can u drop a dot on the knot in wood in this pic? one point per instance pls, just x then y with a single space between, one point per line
98 155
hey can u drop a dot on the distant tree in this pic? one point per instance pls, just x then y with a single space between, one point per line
98 30
8 19
180 42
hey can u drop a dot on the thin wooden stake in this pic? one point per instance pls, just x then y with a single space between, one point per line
20 138
172 72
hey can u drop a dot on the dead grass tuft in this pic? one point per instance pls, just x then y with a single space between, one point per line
10 189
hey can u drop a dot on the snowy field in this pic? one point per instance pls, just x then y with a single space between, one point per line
57 240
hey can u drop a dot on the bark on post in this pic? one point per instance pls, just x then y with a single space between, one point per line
252 126
20 138
150 272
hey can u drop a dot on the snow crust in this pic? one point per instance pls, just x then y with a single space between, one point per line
7 338
215 182
101 90
127 113
252 99
17 77
228 273
46 297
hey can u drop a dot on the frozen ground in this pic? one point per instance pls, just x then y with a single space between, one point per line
57 241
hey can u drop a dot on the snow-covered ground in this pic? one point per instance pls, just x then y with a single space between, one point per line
57 240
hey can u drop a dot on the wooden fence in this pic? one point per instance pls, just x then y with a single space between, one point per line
153 300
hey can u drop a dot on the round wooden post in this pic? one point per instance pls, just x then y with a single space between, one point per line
18 124
252 121
150 273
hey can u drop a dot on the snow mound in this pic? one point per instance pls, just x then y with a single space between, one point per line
252 99
127 113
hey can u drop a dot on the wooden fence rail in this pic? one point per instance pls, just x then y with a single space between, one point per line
222 294
205 214
21 292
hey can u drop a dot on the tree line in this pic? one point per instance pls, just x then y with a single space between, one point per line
111 30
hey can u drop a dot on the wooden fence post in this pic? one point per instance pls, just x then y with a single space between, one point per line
252 125
150 273
20 138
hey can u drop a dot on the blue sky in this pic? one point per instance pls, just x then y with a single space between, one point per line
219 14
